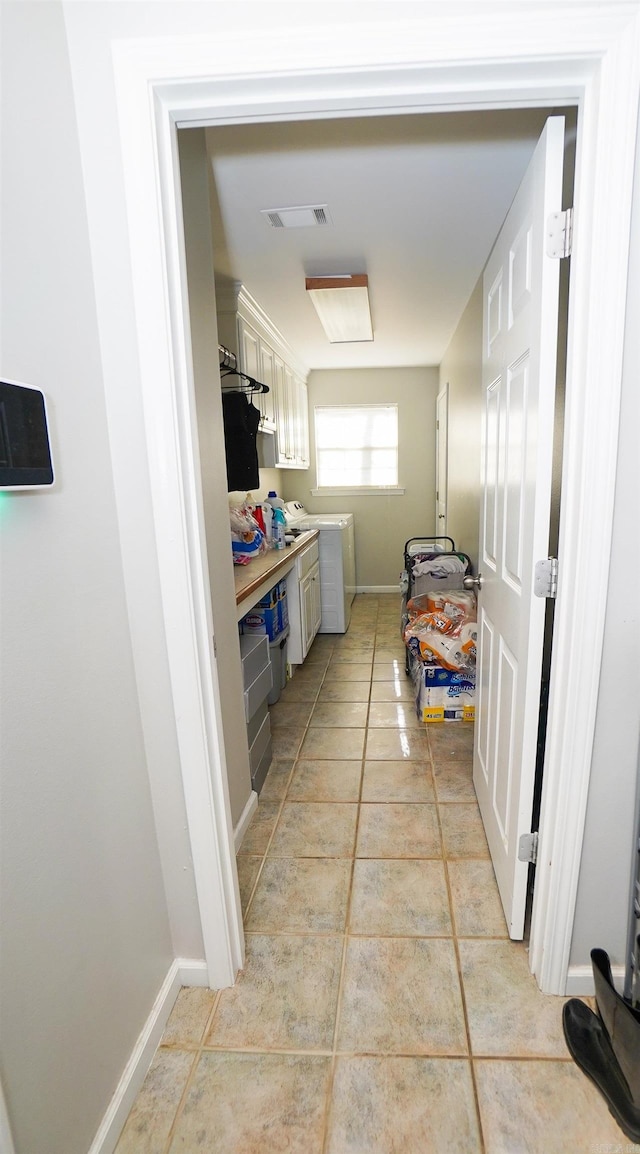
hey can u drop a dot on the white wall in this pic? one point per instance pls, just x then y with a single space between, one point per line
85 933
461 369
84 1029
602 906
382 523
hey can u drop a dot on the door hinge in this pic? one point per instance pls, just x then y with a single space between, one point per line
215 648
545 581
560 233
528 847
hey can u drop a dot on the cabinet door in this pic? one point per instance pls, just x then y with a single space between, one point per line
289 419
267 377
316 607
249 344
307 586
280 412
302 424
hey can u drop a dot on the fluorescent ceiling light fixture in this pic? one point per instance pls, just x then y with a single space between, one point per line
342 303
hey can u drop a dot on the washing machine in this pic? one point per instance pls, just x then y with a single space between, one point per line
337 558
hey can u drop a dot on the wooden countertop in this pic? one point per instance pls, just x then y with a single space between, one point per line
268 567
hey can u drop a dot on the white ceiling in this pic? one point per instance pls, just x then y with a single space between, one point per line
416 202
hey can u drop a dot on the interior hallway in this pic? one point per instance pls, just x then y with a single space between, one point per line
382 1008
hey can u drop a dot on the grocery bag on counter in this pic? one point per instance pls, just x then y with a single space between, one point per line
247 539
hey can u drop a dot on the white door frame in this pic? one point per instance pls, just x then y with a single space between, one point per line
442 452
437 62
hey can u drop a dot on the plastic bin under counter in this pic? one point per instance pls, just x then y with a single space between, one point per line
252 581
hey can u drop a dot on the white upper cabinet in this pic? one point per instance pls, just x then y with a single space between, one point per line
264 354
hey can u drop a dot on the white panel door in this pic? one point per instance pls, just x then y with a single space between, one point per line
519 368
442 442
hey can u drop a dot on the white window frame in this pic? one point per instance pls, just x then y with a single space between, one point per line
354 488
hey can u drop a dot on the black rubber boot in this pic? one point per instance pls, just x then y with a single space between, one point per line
589 1046
620 1021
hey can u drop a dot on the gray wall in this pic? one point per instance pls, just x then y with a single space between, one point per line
382 523
85 934
204 337
461 369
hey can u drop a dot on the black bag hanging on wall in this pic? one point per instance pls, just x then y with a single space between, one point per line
241 421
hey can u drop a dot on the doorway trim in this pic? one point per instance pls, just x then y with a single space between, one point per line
583 56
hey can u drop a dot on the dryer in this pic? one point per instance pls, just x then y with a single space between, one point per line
336 548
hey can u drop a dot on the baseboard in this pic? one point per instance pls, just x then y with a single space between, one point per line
378 588
245 817
580 981
183 972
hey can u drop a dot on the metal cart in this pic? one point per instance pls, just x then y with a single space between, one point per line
425 568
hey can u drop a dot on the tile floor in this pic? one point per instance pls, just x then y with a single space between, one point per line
382 1009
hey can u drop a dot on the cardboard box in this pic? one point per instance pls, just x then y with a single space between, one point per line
283 606
441 694
262 619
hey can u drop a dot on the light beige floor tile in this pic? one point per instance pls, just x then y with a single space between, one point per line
397 781
320 651
508 1016
344 744
389 670
262 826
248 870
301 894
361 635
315 829
397 745
297 690
308 674
189 1016
393 715
151 1118
349 671
451 740
285 998
339 715
398 831
462 831
398 898
477 909
326 781
401 995
277 779
399 690
345 691
287 713
410 1105
391 653
254 1104
351 656
544 1108
287 742
454 781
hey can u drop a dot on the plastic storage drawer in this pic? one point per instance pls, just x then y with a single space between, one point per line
256 672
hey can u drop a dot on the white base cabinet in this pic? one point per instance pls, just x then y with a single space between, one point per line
303 597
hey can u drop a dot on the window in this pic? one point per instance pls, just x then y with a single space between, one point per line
357 446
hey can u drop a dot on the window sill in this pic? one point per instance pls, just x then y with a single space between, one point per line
359 491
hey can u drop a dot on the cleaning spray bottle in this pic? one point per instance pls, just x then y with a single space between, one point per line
279 525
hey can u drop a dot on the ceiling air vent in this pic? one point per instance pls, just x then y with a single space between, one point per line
301 216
